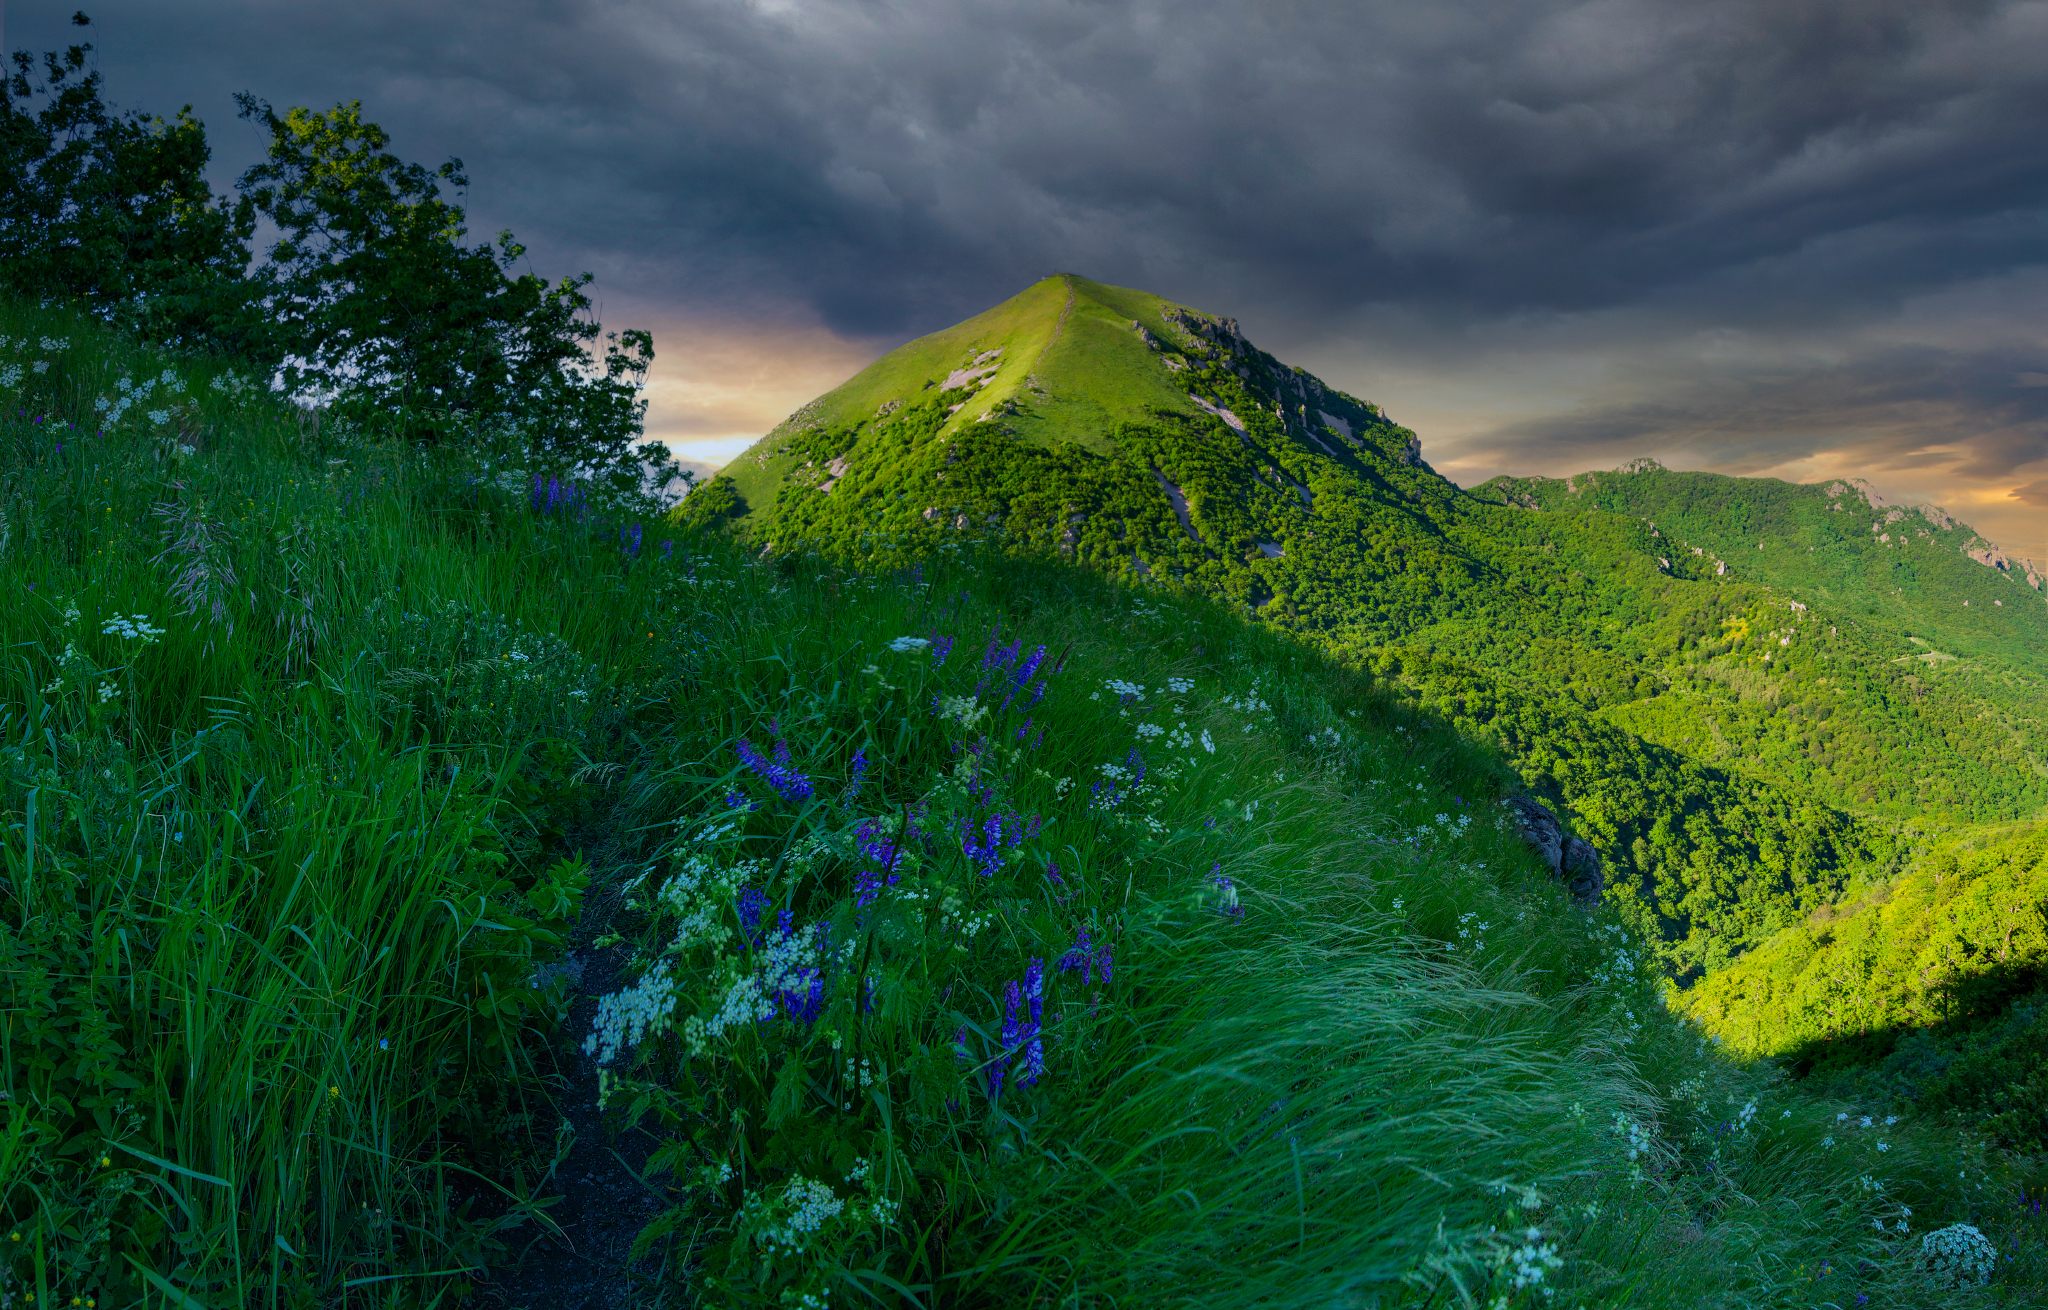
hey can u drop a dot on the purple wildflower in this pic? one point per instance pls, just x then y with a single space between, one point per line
751 904
1088 960
806 1001
1034 1045
868 884
737 800
1226 891
941 648
1021 678
856 775
668 548
784 778
629 540
1013 1035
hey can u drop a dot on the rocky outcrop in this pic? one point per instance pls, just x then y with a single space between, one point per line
1583 876
1571 858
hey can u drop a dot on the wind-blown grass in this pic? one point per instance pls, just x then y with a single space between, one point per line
276 881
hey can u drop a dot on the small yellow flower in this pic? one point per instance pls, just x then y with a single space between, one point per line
105 1161
334 1091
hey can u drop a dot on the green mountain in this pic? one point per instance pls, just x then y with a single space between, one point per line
1745 734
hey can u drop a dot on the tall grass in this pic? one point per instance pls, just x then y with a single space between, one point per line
276 880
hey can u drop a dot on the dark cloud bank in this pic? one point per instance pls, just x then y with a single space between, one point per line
1757 235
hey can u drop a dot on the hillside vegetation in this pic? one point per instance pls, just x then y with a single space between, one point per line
993 932
1701 720
1931 988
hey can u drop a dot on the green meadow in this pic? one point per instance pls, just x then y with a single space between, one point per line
995 932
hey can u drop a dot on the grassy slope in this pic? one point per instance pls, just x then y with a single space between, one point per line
270 907
1065 327
1774 712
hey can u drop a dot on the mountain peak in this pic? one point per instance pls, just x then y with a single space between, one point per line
1066 361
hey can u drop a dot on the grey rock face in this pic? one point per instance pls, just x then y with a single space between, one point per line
1582 872
1571 858
1540 828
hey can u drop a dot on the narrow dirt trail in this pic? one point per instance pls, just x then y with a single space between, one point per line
603 1203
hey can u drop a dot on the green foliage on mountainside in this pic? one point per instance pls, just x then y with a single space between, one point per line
1807 727
1932 988
1912 569
305 733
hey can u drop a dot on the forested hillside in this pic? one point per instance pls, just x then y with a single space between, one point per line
1939 980
1741 749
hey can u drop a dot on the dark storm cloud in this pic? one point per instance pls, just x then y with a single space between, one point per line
1973 415
896 165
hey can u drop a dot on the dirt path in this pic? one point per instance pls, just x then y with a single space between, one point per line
603 1203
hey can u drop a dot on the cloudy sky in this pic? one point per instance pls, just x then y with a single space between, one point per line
1755 236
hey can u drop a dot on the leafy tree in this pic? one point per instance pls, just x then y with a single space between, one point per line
114 209
382 305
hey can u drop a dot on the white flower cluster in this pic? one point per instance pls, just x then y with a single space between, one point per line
1147 731
135 627
1180 686
1958 1256
751 997
1472 933
953 916
1637 1139
963 710
1119 687
134 394
232 383
40 367
55 345
1531 1258
904 645
1618 964
1249 703
10 376
809 1205
623 1018
698 893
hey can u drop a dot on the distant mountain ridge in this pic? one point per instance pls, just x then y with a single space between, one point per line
1739 731
1838 539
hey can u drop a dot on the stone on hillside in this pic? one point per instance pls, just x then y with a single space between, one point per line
1540 828
1571 858
1582 872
